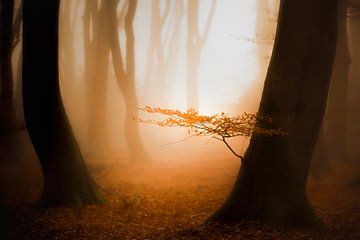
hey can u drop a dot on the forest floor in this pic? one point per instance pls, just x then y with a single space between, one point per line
164 200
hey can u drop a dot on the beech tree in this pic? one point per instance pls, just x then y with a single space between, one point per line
66 179
97 63
195 43
125 75
155 67
271 185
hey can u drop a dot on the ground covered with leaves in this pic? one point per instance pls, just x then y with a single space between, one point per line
164 200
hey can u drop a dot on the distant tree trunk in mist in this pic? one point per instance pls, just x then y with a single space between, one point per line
97 55
271 185
155 69
125 75
67 50
337 104
66 179
171 66
195 43
8 118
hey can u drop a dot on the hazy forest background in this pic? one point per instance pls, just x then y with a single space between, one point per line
118 56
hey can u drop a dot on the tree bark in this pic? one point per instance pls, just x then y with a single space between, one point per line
271 185
66 179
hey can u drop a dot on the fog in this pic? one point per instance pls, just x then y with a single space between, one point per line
231 69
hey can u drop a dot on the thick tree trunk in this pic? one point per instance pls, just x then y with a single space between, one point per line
338 95
271 185
8 118
66 179
126 78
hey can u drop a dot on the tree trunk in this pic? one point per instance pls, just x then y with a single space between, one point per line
195 43
271 185
8 118
66 179
338 95
155 68
193 53
172 59
126 78
96 76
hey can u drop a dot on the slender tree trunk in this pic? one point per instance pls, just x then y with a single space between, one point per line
126 78
8 118
193 53
66 179
337 105
271 185
155 68
171 66
195 43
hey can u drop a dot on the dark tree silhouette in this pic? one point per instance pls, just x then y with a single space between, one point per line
271 185
8 119
66 179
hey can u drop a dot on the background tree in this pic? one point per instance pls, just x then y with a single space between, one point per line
97 54
155 67
66 179
271 185
125 75
195 43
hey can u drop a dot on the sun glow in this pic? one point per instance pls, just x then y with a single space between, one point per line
230 74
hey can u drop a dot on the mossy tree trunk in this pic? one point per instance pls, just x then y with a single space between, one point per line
66 179
271 185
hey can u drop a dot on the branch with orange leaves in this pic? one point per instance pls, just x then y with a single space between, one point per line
218 126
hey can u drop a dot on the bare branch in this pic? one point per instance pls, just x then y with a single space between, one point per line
218 126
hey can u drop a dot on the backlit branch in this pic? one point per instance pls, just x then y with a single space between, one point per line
218 126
